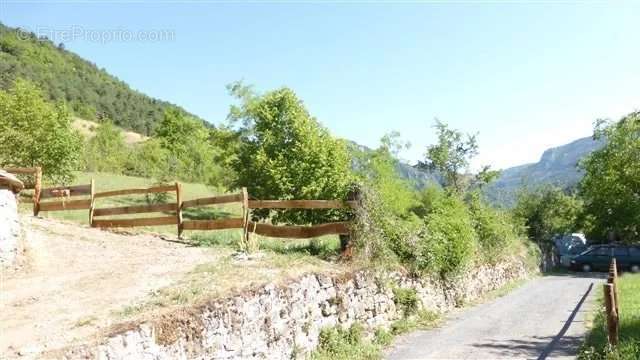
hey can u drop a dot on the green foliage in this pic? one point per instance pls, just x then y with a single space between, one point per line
90 92
339 343
190 154
450 239
380 174
149 159
407 300
34 132
286 154
497 232
595 346
451 155
611 185
548 211
106 151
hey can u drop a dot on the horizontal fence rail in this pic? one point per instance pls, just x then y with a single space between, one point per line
299 232
175 219
35 184
300 204
60 199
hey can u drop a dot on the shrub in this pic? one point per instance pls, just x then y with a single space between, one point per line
106 151
497 232
407 300
450 239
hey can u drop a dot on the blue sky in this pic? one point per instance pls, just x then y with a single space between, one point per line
525 76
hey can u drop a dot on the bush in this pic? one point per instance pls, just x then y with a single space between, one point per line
407 300
496 230
450 240
339 343
106 151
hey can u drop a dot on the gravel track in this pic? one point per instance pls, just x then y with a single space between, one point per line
543 319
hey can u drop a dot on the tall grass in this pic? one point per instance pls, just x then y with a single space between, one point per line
596 346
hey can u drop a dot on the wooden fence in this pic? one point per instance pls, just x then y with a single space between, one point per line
611 304
60 199
34 184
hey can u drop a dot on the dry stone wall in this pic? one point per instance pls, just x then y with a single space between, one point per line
10 229
284 322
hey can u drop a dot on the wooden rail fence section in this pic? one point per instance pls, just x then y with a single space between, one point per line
174 219
611 304
60 198
35 184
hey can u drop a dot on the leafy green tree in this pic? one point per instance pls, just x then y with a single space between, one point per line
451 155
106 151
34 132
547 212
611 185
191 154
286 154
149 159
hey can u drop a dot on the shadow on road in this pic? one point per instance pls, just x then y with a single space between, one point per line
542 347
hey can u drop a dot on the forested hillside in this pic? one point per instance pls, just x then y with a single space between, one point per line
91 93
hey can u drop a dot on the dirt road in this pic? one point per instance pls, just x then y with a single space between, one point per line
543 319
76 277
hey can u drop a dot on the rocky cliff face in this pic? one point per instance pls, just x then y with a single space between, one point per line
558 166
284 322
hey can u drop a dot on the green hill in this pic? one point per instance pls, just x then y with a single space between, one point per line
91 93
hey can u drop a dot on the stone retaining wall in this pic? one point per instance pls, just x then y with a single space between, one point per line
10 230
279 322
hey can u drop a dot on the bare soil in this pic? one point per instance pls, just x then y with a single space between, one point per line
73 279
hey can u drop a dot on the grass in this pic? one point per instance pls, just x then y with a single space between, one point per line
338 343
596 346
227 275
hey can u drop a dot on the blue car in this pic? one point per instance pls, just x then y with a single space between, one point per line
598 258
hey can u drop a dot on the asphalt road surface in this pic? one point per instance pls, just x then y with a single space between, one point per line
543 319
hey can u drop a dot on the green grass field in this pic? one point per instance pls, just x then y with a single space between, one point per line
595 346
325 246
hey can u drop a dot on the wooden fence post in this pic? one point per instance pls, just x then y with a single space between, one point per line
612 316
346 245
179 208
36 191
93 193
246 237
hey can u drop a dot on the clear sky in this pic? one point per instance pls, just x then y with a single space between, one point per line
526 76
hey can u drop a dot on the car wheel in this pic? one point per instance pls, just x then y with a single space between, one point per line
635 268
586 268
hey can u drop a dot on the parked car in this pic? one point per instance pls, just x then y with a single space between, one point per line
598 258
569 246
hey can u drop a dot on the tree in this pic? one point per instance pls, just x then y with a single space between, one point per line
34 132
106 151
451 155
191 154
286 154
548 211
611 185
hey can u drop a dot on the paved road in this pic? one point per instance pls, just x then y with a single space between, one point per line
543 319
